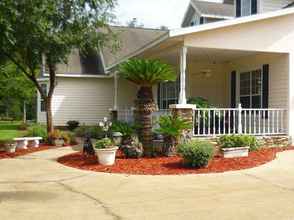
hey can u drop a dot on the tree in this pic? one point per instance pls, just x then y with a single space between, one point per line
16 91
146 73
35 32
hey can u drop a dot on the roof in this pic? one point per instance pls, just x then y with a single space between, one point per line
131 40
213 8
290 5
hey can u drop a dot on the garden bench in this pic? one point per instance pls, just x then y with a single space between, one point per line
24 142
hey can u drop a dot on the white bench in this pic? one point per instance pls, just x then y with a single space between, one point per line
24 142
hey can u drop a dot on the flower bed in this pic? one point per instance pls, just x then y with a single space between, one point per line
170 165
21 152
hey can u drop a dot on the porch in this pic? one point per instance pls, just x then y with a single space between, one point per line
247 91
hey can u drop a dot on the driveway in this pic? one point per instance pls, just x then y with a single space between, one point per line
37 187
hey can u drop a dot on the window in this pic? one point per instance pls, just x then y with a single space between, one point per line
42 101
246 7
168 94
251 89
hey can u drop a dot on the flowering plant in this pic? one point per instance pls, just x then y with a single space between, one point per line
105 125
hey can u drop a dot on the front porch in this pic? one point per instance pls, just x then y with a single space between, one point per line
247 91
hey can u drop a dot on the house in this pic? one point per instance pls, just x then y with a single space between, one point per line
245 56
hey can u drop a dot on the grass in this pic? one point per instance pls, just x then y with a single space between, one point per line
9 130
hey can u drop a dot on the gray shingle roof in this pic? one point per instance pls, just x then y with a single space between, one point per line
212 8
131 39
290 5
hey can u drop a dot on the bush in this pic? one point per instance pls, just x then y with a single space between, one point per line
37 130
103 143
93 131
23 126
232 141
72 125
196 153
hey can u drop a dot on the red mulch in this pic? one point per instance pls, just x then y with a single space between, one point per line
42 147
170 165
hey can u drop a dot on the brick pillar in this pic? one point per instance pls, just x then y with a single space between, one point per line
184 111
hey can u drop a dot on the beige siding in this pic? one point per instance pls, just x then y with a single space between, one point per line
85 100
126 94
73 66
212 87
273 5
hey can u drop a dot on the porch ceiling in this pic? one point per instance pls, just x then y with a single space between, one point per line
210 55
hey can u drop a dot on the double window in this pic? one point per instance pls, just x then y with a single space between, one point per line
251 89
42 101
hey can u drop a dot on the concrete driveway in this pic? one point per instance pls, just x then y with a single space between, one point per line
37 187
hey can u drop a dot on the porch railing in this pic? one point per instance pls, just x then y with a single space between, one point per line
222 121
126 115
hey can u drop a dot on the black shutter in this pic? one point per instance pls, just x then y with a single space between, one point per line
238 8
265 86
253 7
201 20
158 96
233 89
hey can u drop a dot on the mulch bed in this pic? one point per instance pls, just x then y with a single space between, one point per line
170 165
21 152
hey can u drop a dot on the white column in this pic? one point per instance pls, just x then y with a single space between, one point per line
291 98
183 66
115 91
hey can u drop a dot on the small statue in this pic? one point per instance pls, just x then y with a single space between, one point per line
88 149
134 149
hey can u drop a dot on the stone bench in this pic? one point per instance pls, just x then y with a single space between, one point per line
24 142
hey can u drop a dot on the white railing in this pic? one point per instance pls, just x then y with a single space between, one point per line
222 121
126 115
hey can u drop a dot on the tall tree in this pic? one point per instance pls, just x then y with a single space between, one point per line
146 73
33 31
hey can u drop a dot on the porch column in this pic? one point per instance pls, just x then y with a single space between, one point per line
291 99
183 66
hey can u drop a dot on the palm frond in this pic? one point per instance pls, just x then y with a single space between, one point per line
147 72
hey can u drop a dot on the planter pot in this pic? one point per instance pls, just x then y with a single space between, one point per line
10 148
106 156
235 152
58 142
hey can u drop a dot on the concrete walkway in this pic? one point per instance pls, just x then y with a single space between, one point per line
36 187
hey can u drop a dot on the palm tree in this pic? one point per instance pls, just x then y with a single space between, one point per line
146 73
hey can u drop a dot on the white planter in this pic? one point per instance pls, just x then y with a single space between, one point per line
235 152
10 148
58 142
106 156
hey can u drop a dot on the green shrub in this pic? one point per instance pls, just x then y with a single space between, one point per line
232 141
124 128
23 126
93 131
172 127
103 143
196 153
72 125
37 130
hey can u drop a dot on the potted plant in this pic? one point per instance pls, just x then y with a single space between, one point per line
105 151
172 127
237 145
10 146
57 138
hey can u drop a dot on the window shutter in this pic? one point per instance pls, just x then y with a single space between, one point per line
253 7
233 89
201 20
238 8
158 95
265 86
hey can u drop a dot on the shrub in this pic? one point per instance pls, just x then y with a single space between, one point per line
37 130
232 141
196 153
172 127
103 143
72 125
23 126
93 131
124 128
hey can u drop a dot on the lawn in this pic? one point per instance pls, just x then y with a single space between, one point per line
9 130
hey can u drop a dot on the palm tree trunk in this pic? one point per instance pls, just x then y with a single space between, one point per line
144 107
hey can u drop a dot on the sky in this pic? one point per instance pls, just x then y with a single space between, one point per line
153 13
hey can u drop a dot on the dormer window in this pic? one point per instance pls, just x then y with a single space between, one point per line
246 7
